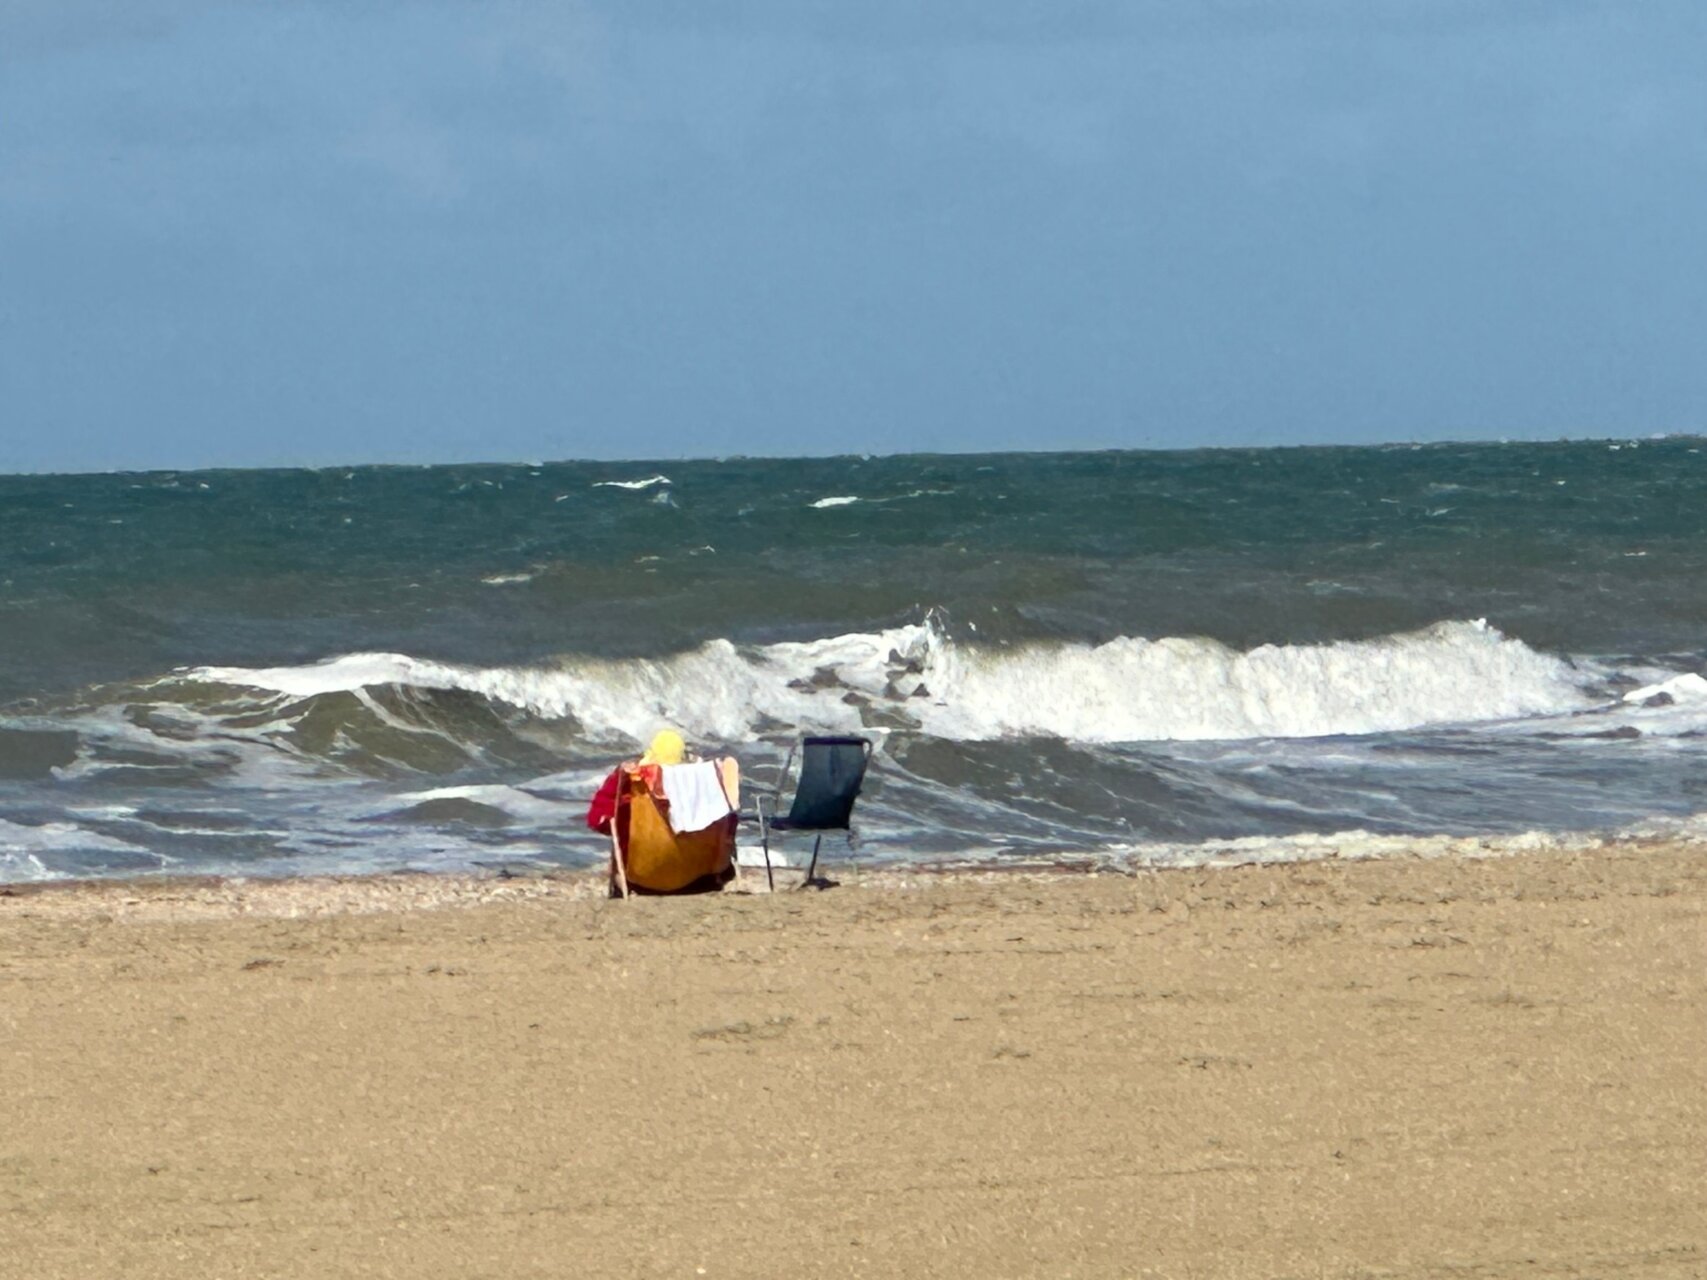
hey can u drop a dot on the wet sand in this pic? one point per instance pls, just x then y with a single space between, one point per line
1398 1068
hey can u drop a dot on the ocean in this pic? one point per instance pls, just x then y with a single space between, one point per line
1121 658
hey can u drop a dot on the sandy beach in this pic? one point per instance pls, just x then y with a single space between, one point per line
1390 1068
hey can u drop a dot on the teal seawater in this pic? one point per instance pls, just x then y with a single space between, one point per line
1058 652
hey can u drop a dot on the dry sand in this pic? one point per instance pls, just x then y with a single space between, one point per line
1396 1068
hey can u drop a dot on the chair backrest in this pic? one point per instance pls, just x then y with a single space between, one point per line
832 771
658 858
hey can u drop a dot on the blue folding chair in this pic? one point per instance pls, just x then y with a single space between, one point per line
832 770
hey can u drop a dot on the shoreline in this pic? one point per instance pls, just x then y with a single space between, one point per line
1418 1067
193 895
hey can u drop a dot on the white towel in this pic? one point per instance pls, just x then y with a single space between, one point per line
696 796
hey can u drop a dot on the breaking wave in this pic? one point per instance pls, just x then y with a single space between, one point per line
915 678
372 760
1133 689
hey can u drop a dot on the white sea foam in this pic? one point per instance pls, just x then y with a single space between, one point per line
251 755
1670 708
1680 689
20 840
1127 690
1137 690
351 671
19 865
647 483
1348 846
845 500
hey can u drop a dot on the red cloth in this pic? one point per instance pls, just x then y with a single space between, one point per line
602 811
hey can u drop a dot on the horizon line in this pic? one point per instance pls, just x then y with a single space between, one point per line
1442 442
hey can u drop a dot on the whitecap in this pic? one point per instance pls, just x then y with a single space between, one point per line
834 502
1130 689
647 483
1133 689
1685 688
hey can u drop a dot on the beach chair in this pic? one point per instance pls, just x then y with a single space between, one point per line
647 855
832 770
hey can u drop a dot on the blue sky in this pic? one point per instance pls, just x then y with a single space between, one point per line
272 233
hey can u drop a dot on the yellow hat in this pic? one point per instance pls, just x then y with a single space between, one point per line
667 748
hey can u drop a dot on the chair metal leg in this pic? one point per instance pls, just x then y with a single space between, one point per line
816 841
765 840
